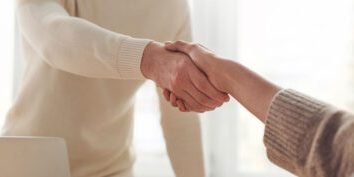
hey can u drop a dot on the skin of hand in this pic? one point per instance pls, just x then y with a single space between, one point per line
250 89
203 58
176 72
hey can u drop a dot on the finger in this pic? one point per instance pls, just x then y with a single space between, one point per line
188 109
170 46
168 43
181 106
173 99
192 104
201 82
166 94
200 97
180 46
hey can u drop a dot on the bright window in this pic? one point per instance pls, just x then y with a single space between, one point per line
303 44
6 56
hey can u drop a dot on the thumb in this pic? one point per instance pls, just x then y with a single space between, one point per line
170 46
180 46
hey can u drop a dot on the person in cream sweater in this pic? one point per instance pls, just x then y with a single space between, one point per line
85 61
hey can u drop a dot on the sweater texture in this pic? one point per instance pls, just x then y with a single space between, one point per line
82 72
308 137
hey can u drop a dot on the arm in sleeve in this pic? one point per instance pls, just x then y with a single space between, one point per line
182 134
78 46
308 137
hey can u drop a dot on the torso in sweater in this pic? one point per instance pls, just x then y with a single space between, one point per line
94 115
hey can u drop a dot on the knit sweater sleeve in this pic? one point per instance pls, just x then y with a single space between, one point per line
308 137
78 46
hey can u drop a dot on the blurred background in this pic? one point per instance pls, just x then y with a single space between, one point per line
302 44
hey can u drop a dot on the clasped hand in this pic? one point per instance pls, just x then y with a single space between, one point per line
185 85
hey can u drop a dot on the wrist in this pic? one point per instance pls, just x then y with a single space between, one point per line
249 88
224 72
235 74
148 61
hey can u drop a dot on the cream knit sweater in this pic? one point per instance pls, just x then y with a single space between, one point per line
83 69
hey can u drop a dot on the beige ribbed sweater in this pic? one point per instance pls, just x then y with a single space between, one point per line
83 69
309 138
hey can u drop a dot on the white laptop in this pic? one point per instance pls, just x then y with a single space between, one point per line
33 157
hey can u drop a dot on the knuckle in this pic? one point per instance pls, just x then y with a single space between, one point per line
192 47
179 43
181 108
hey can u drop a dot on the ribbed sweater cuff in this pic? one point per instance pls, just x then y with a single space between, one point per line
290 128
129 58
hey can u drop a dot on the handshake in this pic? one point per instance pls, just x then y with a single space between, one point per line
190 75
195 79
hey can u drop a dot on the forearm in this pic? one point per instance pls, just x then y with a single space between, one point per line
299 128
250 89
76 45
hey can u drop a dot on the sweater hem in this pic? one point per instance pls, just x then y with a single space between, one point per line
129 58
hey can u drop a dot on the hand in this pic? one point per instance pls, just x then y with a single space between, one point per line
174 71
246 86
205 60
